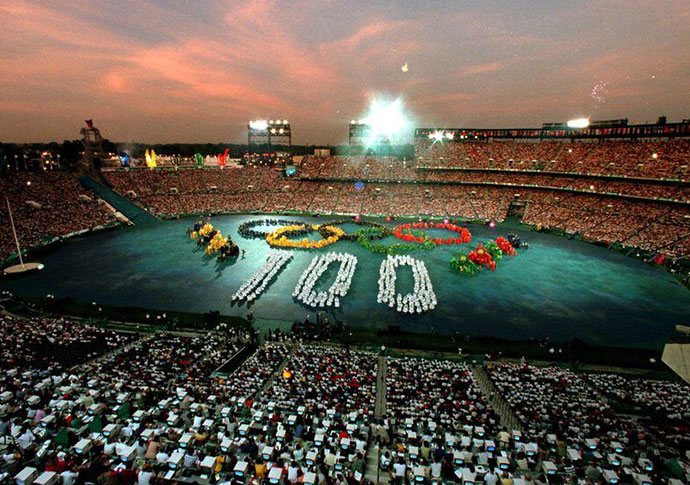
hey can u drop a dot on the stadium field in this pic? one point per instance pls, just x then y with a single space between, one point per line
558 288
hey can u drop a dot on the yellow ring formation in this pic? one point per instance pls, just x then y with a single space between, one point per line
278 239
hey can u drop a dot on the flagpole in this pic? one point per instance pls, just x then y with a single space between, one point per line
14 232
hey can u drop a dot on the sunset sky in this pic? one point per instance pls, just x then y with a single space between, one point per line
194 71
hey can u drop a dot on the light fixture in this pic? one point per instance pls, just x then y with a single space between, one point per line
437 135
258 124
578 123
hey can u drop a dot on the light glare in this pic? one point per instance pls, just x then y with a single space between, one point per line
385 120
578 123
438 135
258 124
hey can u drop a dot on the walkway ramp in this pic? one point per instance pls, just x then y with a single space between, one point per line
131 211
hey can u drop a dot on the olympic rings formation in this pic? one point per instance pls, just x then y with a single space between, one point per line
331 233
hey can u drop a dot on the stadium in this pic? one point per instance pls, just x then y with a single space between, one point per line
416 300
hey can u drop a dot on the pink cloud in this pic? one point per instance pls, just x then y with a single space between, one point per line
481 69
369 32
318 65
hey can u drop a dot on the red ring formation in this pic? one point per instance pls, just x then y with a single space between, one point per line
463 237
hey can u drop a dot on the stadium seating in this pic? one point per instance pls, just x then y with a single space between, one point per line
605 192
154 406
45 206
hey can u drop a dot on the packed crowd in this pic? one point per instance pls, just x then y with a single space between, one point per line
254 373
90 424
156 410
476 181
646 159
665 404
578 433
330 381
132 408
359 168
55 344
46 206
438 426
589 207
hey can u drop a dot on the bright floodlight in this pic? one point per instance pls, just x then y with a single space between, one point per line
578 123
437 135
385 120
258 124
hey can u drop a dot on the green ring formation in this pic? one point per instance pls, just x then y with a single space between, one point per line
368 234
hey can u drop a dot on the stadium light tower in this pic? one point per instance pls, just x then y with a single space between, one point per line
386 121
579 123
265 134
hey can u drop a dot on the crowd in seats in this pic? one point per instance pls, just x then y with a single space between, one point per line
191 191
329 379
679 247
192 180
651 226
357 168
56 344
302 200
376 199
130 410
646 159
54 204
45 206
254 373
155 410
326 198
577 433
663 403
168 363
380 186
328 395
438 426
